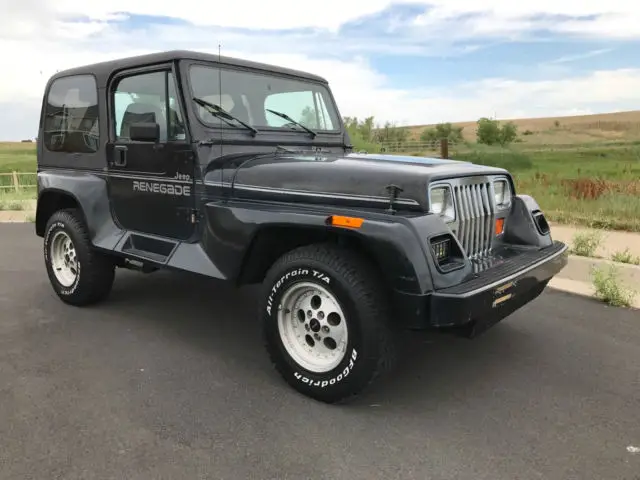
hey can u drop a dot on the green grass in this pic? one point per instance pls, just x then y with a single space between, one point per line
17 157
594 186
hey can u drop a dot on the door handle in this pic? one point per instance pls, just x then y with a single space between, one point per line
120 158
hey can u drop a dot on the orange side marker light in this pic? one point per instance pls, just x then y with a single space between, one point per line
347 222
499 226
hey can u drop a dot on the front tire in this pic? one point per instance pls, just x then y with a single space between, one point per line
78 274
325 322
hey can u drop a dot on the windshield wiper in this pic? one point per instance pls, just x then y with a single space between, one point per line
287 117
218 111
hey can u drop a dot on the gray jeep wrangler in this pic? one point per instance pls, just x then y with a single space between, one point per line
244 172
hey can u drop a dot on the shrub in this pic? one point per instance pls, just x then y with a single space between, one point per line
625 257
440 131
608 288
489 132
585 244
594 188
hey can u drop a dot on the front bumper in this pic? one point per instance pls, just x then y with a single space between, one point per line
492 295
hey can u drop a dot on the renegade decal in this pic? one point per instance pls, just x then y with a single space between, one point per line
162 188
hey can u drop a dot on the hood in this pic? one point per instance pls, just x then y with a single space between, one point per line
348 180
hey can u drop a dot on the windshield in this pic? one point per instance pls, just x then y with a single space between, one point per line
250 96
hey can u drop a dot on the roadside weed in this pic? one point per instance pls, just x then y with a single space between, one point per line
625 257
609 289
585 244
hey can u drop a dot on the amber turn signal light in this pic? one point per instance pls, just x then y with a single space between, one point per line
347 222
499 226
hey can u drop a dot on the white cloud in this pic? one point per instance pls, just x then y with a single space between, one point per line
580 56
39 36
613 18
610 18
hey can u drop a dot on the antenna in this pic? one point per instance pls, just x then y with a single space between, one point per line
220 97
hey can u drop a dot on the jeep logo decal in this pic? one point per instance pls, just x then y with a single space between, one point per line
162 188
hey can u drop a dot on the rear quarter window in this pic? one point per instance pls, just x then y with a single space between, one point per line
71 115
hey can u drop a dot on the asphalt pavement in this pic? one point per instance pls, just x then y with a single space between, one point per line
168 380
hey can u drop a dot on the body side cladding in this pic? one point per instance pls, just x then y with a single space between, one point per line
90 193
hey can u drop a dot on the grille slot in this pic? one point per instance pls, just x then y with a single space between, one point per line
476 217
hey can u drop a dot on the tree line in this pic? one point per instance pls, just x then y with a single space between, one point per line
367 135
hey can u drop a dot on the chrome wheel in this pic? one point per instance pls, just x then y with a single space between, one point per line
64 260
312 327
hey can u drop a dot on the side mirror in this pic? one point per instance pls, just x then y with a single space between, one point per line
144 132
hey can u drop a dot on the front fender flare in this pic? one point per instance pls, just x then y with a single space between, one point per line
394 241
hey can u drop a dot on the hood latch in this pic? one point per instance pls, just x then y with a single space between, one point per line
393 191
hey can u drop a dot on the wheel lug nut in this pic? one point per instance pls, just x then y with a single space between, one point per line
316 336
307 327
320 315
325 329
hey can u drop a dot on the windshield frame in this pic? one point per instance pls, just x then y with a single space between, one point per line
322 87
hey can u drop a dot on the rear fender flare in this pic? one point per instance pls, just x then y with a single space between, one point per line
90 193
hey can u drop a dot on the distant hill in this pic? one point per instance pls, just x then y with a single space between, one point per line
622 126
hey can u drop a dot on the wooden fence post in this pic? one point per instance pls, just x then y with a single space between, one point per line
444 148
16 183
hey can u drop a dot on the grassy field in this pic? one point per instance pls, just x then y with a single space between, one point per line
556 131
21 158
593 183
590 186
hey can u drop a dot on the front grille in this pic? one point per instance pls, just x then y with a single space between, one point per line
476 218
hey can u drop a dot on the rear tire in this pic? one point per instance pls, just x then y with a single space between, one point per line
78 274
325 322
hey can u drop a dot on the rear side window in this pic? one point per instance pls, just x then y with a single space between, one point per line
71 115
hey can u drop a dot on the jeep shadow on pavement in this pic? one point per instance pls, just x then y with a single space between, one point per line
244 172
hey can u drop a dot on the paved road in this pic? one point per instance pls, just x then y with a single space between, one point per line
169 380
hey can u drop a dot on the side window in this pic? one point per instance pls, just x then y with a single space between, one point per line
148 97
71 115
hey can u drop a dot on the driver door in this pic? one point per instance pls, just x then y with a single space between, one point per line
151 166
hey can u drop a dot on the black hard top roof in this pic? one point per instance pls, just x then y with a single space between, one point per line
103 70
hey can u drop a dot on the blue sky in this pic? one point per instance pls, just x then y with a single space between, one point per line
415 61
